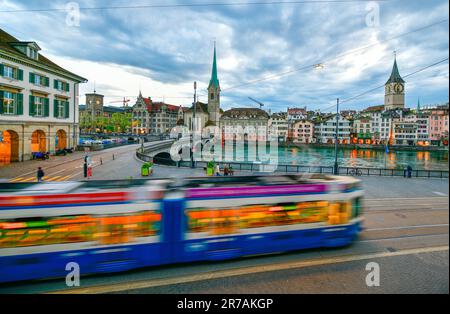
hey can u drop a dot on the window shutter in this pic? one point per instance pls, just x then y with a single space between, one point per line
32 78
20 74
19 107
47 81
55 84
55 108
1 102
67 87
31 106
46 107
66 110
2 70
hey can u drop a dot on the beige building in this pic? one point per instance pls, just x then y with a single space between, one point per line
38 102
245 124
154 118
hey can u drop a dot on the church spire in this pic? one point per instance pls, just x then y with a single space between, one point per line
395 75
214 79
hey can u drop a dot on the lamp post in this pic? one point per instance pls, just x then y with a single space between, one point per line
336 146
193 126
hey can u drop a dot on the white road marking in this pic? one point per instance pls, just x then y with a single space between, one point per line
407 227
144 284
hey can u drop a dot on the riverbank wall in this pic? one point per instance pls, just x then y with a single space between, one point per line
373 147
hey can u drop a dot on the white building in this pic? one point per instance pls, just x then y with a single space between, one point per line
325 130
278 126
38 102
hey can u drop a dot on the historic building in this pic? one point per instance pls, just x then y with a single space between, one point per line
207 114
279 126
325 130
303 132
245 124
38 102
438 125
154 118
362 131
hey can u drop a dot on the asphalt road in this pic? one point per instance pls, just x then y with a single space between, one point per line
408 238
407 223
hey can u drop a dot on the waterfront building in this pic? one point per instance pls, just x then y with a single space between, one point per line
362 130
278 126
303 132
438 125
405 133
325 130
245 124
38 102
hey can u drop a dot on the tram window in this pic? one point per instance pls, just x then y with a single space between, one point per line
356 212
230 220
80 228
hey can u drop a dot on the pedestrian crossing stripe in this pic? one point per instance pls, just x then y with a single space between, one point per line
34 179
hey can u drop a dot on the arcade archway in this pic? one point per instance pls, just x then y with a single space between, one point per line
38 142
61 140
9 147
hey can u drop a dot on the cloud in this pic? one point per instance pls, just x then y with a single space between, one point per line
162 51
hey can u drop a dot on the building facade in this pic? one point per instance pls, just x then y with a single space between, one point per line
325 130
303 132
245 124
279 126
154 118
38 102
438 125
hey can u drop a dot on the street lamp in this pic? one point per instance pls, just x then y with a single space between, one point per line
193 126
336 146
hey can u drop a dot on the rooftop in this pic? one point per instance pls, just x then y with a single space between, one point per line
8 43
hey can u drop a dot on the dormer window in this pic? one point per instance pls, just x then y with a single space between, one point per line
33 54
30 49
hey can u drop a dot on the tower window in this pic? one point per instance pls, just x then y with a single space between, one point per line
212 96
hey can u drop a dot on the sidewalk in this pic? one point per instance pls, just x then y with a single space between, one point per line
20 168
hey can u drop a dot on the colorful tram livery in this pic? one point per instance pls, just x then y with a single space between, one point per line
115 226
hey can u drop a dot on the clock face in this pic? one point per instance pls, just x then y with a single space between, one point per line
388 89
399 88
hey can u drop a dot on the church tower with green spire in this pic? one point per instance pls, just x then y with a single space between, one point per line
214 93
395 90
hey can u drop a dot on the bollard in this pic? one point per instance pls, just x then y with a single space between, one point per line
101 161
114 158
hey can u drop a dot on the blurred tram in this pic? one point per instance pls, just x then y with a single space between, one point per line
112 226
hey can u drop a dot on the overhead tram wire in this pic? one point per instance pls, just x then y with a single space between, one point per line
196 5
405 76
381 86
350 52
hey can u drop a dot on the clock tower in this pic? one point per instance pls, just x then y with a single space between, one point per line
394 90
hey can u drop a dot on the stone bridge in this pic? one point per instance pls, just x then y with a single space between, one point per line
160 149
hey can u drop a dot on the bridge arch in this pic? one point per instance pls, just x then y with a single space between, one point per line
164 158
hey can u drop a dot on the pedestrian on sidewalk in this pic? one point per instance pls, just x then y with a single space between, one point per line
217 170
40 175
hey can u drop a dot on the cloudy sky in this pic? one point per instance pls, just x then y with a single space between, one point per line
264 51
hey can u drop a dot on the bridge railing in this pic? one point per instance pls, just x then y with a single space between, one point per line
347 171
